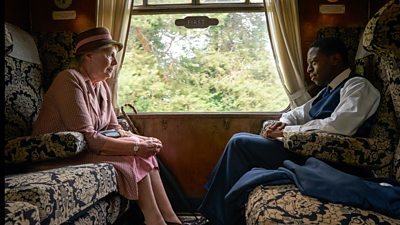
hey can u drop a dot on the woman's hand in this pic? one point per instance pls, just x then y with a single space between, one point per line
273 131
148 146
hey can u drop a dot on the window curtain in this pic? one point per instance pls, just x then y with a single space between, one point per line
283 24
115 15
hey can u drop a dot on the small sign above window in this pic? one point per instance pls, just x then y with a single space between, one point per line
64 15
332 9
196 22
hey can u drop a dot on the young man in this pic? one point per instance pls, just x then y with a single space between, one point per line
342 107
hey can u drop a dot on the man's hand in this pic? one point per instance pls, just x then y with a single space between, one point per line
273 131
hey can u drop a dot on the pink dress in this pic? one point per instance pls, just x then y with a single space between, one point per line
73 103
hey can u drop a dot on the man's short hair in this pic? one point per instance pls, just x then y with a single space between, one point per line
330 46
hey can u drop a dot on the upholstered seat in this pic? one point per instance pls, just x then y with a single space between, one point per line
285 204
61 193
380 151
23 99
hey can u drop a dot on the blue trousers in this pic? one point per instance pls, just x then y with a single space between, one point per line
243 152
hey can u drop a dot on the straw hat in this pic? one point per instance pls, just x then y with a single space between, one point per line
93 39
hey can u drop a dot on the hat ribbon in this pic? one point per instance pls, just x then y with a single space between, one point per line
91 39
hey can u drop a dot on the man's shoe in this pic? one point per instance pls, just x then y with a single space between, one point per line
172 223
199 221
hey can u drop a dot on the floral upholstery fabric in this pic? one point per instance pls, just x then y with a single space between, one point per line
104 212
44 147
382 36
350 37
284 204
381 32
21 213
61 193
56 50
367 152
23 96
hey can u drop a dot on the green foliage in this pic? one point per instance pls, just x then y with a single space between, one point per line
224 68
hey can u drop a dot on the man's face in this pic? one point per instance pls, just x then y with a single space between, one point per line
320 67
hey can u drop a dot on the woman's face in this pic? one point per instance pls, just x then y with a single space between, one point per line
100 63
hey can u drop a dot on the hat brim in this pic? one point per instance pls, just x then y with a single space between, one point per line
97 45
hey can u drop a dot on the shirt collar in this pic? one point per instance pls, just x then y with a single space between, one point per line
339 78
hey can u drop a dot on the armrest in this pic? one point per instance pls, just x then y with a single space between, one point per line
44 147
364 152
21 213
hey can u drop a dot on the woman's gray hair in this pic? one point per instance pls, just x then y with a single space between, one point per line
78 60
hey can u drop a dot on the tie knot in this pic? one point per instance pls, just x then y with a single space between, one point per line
329 88
326 92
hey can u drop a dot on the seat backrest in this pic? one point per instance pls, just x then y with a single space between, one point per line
56 50
382 37
23 82
370 66
350 36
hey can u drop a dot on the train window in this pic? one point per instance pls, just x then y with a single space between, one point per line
167 2
217 59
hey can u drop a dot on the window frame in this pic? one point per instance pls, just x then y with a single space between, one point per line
197 7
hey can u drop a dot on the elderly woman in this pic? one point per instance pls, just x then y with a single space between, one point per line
80 100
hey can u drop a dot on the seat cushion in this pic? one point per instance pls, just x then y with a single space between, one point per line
104 212
63 192
284 204
21 213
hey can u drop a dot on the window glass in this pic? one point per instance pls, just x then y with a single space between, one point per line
137 2
228 67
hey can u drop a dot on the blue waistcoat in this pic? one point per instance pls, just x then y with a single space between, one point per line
327 101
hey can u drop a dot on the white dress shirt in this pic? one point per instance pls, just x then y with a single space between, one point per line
359 100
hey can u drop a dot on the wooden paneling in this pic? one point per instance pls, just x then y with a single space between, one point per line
193 143
42 20
17 12
35 15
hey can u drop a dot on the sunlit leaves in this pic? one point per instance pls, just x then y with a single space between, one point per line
224 68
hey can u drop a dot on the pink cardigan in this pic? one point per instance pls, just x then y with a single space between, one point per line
72 104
